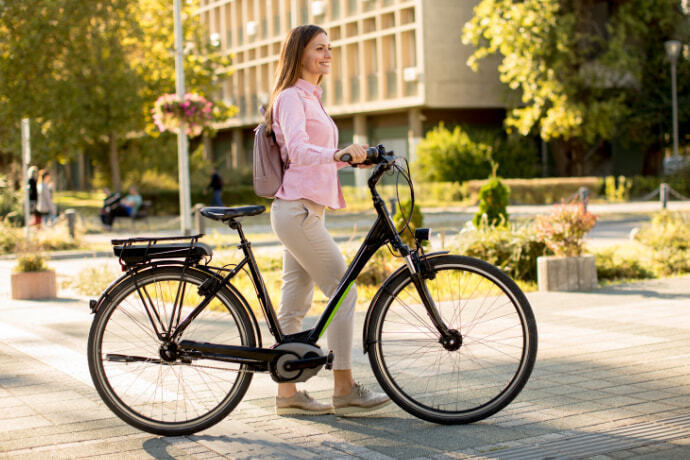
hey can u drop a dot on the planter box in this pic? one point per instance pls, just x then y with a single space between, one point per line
34 285
566 273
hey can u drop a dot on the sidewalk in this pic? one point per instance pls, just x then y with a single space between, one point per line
611 381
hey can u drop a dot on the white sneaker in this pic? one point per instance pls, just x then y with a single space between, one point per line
359 401
301 404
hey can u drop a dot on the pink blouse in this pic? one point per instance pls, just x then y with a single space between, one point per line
309 138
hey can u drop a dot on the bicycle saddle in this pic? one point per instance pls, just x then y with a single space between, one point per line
223 214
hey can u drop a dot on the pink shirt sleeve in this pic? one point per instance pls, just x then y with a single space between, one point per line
292 120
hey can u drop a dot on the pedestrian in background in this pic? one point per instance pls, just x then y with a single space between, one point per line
216 187
32 186
45 205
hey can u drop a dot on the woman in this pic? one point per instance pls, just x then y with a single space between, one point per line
308 138
45 204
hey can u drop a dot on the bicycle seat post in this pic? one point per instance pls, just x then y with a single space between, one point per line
235 225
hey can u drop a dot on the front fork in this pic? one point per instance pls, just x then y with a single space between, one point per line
420 272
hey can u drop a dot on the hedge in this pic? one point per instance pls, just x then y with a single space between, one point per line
166 202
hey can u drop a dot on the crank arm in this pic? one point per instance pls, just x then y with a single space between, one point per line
310 363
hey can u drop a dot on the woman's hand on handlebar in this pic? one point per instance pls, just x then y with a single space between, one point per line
353 154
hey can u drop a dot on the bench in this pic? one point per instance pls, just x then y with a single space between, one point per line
142 214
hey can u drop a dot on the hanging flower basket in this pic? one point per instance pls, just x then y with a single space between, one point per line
169 112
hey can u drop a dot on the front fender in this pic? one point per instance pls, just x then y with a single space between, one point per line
384 290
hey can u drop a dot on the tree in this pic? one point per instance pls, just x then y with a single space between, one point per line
575 66
88 73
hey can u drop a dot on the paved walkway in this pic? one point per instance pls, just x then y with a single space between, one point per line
612 380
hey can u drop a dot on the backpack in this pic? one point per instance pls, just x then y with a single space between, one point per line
268 164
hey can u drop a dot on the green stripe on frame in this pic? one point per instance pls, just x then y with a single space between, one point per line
337 307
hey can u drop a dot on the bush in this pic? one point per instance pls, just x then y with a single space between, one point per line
464 153
668 237
93 280
11 206
446 156
643 185
564 229
166 202
493 202
511 248
416 221
30 263
613 265
617 191
10 235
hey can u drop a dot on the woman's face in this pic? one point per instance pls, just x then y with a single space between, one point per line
316 60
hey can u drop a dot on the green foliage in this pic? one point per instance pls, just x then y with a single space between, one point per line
93 280
619 191
30 263
581 72
11 206
89 78
514 249
445 155
10 235
536 191
379 267
642 185
493 203
416 221
465 153
668 237
613 264
564 229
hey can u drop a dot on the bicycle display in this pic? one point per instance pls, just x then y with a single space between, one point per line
173 345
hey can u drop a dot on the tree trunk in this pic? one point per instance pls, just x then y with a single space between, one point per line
81 180
653 160
559 150
568 157
114 162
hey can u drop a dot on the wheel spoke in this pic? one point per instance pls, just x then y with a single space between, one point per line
466 383
167 397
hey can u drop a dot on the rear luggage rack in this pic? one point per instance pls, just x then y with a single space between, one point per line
142 250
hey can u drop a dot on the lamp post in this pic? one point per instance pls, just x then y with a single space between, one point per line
182 145
673 51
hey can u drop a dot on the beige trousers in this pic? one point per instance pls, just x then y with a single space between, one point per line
311 256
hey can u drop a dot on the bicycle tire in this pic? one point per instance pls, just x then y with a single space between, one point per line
481 377
159 397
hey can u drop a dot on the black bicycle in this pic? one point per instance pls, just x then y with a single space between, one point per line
173 345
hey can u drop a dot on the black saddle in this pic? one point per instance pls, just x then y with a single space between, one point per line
223 214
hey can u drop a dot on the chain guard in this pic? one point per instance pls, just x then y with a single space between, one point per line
293 351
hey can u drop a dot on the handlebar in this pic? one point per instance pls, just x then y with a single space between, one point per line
375 155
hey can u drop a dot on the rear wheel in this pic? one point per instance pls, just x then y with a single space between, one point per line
474 375
140 375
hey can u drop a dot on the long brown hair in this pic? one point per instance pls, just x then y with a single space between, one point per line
289 67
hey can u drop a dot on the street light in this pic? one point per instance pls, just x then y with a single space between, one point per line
182 145
673 51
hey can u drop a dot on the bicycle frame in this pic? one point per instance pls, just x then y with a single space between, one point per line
382 232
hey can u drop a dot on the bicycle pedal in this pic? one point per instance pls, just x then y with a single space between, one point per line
329 360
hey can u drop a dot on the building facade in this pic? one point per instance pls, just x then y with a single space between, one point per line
398 69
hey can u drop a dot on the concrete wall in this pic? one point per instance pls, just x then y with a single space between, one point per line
449 81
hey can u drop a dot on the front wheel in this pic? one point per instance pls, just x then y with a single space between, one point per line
466 379
139 374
